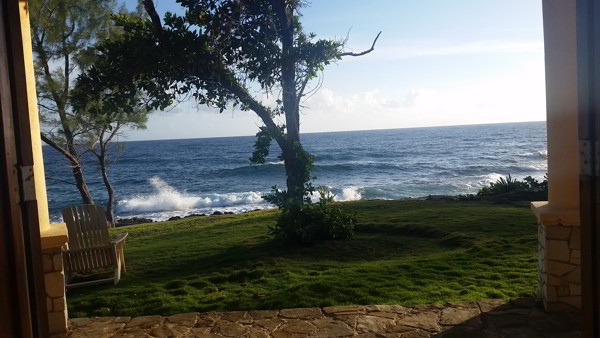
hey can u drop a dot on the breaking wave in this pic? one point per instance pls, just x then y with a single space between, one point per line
166 201
167 198
535 154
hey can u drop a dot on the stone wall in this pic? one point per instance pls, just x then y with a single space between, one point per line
54 279
560 267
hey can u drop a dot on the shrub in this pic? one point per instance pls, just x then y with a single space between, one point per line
509 185
305 223
534 185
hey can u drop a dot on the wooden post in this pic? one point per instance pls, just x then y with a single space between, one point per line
588 88
22 188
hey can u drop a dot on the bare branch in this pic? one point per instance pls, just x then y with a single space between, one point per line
302 88
59 180
362 53
60 149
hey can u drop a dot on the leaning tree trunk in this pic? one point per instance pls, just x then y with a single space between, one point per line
84 191
82 186
71 155
111 203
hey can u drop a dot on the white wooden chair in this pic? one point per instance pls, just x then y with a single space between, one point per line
90 247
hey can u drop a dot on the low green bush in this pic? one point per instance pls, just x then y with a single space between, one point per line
305 223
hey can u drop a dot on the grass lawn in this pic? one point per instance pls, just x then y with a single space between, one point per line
403 252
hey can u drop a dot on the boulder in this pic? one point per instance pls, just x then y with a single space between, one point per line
134 220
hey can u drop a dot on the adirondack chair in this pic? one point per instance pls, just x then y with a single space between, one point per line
90 247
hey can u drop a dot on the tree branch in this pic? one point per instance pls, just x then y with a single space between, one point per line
59 180
302 88
364 52
259 109
58 148
151 10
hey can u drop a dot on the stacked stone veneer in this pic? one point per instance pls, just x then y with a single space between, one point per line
54 279
560 267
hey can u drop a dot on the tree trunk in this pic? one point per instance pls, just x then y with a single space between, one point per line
294 161
111 203
295 170
84 191
71 155
86 196
71 152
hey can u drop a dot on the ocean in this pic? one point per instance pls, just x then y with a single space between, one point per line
166 178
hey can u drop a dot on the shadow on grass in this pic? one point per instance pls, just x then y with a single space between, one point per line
367 245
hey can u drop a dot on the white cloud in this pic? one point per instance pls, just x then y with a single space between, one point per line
512 97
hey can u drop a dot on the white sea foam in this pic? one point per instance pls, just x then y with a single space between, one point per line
536 154
349 194
275 162
167 198
490 178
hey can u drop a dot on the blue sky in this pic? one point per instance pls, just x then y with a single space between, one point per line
437 62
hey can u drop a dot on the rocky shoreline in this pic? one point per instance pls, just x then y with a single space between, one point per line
140 220
514 198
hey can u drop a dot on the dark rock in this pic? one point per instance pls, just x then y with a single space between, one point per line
217 213
174 218
194 215
134 220
228 213
440 198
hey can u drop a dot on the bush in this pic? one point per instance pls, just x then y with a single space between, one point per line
509 185
305 223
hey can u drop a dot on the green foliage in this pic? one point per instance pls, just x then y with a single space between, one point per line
62 32
264 137
509 185
218 52
535 185
305 223
402 252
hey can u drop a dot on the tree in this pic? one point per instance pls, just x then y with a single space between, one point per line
105 128
62 31
64 34
220 52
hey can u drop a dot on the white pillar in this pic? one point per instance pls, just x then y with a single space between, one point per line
558 218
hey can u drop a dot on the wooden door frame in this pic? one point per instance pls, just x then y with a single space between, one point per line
23 301
588 92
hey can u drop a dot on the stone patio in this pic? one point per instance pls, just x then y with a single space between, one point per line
487 318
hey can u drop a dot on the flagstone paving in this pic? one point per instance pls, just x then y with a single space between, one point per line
486 318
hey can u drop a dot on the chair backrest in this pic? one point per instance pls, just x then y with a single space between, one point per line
87 226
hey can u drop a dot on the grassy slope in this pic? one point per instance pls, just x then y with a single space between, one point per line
404 252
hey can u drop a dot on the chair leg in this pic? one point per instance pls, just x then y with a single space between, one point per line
123 258
117 270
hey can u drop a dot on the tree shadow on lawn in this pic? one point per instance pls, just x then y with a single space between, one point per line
362 248
260 256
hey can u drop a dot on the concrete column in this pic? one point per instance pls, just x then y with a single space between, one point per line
559 232
54 239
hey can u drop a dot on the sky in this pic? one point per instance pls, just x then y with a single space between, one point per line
437 63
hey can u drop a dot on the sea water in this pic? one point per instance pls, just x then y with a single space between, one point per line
161 179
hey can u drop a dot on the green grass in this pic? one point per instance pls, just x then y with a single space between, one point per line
403 252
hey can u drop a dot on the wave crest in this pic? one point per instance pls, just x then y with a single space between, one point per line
167 198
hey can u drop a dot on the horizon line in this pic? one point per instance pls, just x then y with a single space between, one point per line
332 131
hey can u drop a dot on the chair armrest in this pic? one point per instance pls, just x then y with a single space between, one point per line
87 249
120 238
